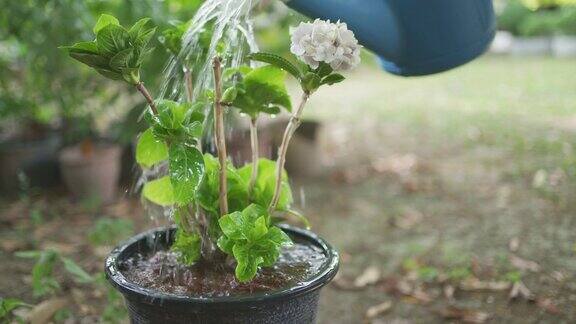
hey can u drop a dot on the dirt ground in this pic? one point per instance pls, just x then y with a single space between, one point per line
450 198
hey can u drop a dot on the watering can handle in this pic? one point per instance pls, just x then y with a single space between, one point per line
413 37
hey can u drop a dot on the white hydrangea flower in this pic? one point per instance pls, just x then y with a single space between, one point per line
323 41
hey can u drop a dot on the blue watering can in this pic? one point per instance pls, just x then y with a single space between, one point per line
413 37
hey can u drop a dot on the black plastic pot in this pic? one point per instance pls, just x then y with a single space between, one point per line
293 305
34 158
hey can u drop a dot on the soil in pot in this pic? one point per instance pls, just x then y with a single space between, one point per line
92 171
161 271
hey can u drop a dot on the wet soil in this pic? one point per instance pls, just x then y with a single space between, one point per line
162 272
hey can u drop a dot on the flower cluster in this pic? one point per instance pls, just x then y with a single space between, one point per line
323 41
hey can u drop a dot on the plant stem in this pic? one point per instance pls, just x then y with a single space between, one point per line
288 133
219 133
189 84
185 221
255 154
140 86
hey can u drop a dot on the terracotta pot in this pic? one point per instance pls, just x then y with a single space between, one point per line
94 175
36 159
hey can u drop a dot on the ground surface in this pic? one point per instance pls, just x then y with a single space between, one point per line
450 198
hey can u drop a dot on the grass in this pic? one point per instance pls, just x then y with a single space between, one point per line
495 143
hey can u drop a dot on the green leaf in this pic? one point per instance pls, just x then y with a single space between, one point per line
311 82
149 150
300 217
28 254
144 38
92 60
247 263
188 247
159 191
208 193
137 28
277 61
260 228
232 224
109 74
43 281
7 305
171 38
332 79
186 172
241 70
248 236
260 90
131 75
323 70
266 183
82 47
74 269
225 244
122 59
112 39
230 95
104 21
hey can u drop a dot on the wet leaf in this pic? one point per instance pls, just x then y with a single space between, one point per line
186 172
188 246
252 241
149 150
265 184
277 61
159 191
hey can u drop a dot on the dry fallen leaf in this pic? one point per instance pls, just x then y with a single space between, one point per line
343 283
558 276
10 246
44 311
519 289
472 284
514 244
548 305
464 315
370 276
378 310
523 264
448 291
408 219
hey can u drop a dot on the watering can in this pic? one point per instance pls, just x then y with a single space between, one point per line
413 37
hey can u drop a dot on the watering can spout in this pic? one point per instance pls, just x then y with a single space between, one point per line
413 37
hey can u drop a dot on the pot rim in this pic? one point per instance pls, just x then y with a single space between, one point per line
150 296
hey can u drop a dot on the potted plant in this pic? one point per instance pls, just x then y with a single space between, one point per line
90 162
226 259
28 144
564 43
